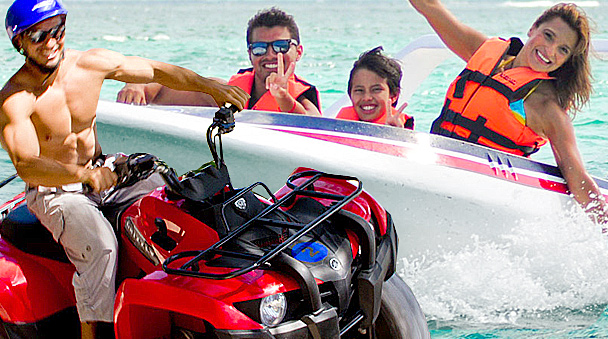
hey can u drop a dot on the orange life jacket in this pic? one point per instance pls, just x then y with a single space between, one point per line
349 113
476 107
297 87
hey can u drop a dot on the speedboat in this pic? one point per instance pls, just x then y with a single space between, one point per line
442 193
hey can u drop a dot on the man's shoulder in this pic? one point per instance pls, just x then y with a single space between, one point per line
17 86
92 52
16 102
95 58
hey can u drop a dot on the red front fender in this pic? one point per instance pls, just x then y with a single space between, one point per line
158 298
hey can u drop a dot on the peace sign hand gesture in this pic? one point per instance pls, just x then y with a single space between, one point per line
278 83
396 118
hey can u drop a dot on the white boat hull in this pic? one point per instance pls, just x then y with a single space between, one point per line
442 193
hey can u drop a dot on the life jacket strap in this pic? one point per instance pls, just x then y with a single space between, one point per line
477 129
409 123
487 81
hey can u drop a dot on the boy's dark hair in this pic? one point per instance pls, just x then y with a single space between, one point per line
387 68
273 17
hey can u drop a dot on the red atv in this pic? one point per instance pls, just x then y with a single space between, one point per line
201 259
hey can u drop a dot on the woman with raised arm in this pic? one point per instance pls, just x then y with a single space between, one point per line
515 97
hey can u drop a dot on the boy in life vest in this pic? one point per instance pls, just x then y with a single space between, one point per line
273 45
373 88
515 97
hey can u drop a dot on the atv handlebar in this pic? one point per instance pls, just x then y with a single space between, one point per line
139 166
223 121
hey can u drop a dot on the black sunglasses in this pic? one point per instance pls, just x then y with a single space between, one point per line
39 36
279 46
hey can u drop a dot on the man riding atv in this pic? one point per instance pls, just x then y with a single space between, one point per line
48 128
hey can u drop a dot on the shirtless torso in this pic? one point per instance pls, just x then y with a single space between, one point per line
61 110
48 122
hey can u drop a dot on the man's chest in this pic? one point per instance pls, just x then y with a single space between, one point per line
58 112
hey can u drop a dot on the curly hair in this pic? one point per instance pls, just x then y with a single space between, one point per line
270 18
573 79
386 68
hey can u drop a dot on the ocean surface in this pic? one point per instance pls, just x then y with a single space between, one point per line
538 287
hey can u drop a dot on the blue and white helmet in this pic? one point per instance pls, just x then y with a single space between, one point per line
24 14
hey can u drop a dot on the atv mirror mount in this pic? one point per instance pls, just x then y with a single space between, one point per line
223 121
224 117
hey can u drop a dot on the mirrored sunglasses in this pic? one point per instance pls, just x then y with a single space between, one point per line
279 46
39 36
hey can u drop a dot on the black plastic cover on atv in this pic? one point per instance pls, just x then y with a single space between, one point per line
24 231
206 189
201 185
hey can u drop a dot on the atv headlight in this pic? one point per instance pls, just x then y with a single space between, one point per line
272 309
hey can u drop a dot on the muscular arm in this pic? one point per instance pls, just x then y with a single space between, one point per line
157 94
460 38
131 69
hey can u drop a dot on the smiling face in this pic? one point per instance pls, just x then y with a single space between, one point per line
267 63
370 95
549 46
48 52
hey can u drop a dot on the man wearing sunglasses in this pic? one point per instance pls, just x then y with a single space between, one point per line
48 128
273 44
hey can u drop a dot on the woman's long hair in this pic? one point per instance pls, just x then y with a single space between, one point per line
573 79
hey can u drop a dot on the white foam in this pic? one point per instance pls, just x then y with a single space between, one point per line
557 277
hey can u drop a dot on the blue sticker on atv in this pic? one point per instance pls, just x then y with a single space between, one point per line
309 252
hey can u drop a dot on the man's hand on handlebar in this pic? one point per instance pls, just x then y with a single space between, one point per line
99 179
223 94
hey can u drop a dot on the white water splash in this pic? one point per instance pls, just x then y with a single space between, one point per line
551 272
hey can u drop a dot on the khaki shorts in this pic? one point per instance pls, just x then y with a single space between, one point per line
76 222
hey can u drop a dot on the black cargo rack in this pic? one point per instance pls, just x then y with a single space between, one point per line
190 268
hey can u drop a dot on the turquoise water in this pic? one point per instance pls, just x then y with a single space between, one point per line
553 288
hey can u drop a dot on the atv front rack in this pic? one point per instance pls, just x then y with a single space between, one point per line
191 267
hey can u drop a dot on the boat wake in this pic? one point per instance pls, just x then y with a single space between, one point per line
553 276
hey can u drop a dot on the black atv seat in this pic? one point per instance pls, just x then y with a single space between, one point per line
23 230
